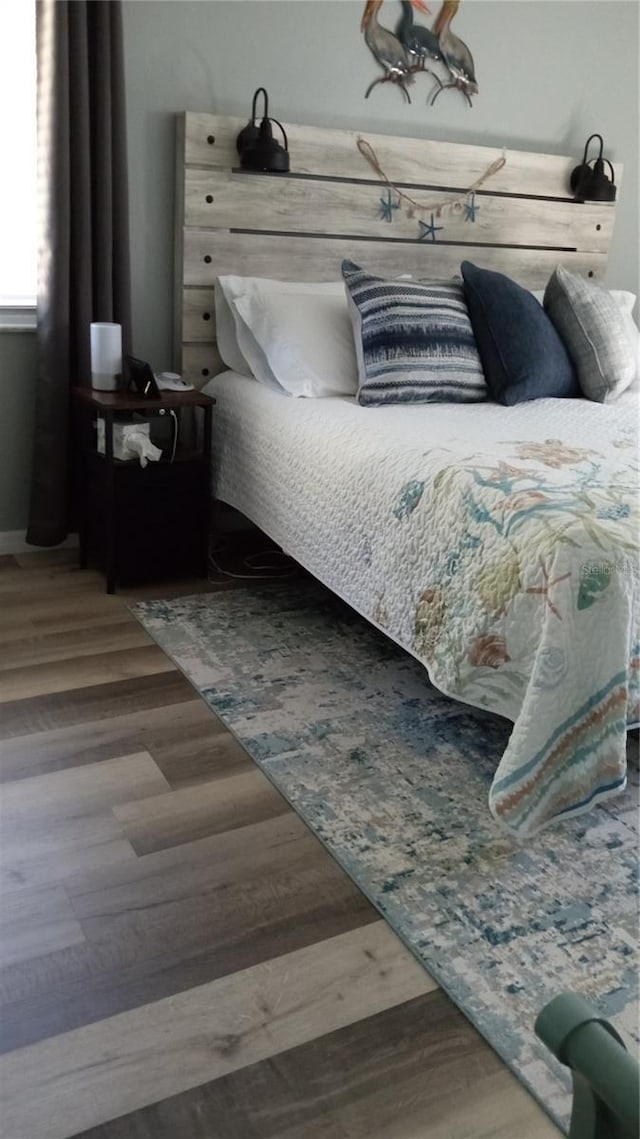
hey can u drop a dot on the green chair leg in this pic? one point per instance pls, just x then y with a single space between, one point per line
606 1078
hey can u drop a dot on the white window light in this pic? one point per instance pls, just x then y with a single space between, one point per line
18 188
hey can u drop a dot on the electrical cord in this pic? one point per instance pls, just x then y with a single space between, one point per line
249 562
164 411
175 435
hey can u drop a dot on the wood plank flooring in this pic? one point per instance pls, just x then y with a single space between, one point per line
180 958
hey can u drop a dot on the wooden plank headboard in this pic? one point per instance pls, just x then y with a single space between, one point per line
300 226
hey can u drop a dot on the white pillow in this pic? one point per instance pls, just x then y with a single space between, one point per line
627 303
307 340
226 335
236 342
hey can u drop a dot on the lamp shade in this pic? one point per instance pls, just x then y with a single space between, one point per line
106 356
257 147
590 183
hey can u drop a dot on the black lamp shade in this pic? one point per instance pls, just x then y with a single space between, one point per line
257 147
247 137
590 182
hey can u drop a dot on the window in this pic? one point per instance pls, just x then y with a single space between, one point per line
18 206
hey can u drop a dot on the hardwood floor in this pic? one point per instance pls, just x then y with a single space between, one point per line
180 957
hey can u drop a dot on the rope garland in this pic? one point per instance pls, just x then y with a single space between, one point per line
412 207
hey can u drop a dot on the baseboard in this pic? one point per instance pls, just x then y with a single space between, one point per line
12 542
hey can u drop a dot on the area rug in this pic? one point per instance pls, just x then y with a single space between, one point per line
393 777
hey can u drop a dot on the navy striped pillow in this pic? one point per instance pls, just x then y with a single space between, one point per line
414 340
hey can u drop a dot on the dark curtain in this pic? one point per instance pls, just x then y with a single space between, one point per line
84 232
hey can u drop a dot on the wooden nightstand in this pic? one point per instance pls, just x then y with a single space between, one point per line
139 523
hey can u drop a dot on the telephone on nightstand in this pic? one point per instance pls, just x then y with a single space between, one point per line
172 382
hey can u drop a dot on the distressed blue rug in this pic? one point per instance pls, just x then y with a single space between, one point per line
393 777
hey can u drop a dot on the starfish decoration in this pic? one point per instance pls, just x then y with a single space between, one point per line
428 231
471 209
387 206
543 590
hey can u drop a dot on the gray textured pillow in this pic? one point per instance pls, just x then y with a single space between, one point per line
593 329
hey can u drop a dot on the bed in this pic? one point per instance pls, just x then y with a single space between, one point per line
499 564
497 545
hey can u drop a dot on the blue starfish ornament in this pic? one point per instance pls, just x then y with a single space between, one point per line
387 206
471 209
428 231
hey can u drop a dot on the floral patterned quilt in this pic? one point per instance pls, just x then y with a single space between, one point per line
528 611
498 545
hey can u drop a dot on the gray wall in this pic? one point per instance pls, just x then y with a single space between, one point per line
550 74
17 390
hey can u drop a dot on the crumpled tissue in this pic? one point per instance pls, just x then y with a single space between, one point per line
138 443
130 441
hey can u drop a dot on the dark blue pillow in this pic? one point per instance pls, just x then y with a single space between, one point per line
522 354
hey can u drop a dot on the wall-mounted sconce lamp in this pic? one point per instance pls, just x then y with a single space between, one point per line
257 147
590 183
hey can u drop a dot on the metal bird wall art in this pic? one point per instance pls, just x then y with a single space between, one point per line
455 53
420 43
405 53
387 49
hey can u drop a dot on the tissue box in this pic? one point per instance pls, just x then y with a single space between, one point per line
120 432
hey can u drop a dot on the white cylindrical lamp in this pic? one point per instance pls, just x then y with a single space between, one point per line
106 356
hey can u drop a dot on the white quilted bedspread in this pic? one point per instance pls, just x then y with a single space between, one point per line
498 545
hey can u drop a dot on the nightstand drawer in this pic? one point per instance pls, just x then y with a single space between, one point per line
160 519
